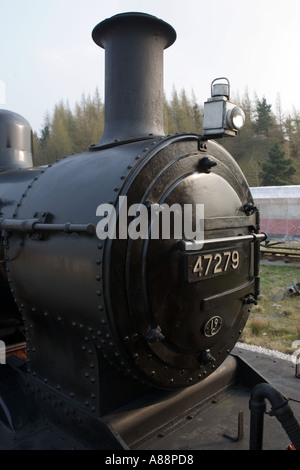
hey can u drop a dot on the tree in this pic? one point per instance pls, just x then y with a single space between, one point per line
277 170
264 118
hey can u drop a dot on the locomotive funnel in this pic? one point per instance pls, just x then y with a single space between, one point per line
134 45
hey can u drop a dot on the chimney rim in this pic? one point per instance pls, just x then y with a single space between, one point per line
100 29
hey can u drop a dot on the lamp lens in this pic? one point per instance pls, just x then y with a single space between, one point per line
238 118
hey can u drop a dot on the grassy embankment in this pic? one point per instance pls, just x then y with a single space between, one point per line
275 322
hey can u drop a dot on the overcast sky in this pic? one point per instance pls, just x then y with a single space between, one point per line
48 55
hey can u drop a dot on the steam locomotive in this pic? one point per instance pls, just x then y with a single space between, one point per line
120 324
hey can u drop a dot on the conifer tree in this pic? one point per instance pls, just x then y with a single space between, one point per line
264 119
277 170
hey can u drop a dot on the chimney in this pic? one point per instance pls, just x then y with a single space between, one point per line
134 100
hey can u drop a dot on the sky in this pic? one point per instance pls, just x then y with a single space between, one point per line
48 55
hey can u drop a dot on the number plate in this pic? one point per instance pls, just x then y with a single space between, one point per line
212 263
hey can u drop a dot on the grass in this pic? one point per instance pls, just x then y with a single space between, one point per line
275 322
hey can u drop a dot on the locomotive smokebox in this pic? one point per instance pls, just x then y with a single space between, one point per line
134 45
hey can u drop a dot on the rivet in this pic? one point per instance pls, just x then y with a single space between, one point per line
100 307
98 277
100 246
98 261
99 293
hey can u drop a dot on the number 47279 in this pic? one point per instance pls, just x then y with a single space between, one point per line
211 264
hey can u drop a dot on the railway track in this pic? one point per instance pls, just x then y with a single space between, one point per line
280 253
